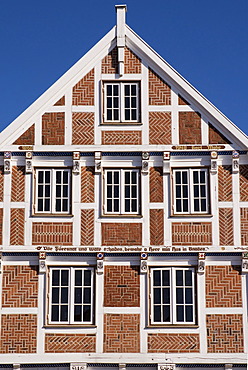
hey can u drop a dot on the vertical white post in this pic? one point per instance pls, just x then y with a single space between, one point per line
120 35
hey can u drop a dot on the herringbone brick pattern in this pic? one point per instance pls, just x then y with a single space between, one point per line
66 343
17 226
156 226
132 63
121 286
121 138
61 101
156 185
53 128
27 138
87 184
18 184
1 226
244 225
121 233
182 101
189 128
20 286
110 62
83 128
173 343
1 183
191 233
226 226
243 178
87 226
225 183
18 333
223 286
216 137
160 128
121 333
225 333
52 233
159 90
83 91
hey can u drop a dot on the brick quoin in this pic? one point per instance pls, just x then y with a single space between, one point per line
87 184
17 226
53 128
191 233
121 286
244 225
243 181
52 233
121 138
225 183
189 128
68 343
83 128
121 234
216 137
160 128
87 226
83 91
156 226
173 343
226 226
27 138
156 185
159 90
18 184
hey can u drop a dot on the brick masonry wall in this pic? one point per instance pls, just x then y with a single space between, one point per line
225 183
160 128
83 91
83 128
1 183
159 90
244 225
226 226
1 226
18 184
121 233
27 138
121 286
243 179
121 137
156 226
132 63
121 333
20 286
189 128
216 137
53 128
87 226
182 101
223 286
156 185
225 333
110 62
17 226
67 343
87 184
173 343
52 233
191 233
61 101
18 333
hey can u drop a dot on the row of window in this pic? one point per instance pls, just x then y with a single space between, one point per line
172 295
122 191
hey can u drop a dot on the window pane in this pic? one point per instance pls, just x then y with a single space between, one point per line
179 277
58 205
166 313
86 313
58 191
40 176
185 205
166 277
47 176
134 205
127 90
178 205
127 177
109 90
166 295
195 177
55 313
127 102
196 205
178 191
78 277
189 313
202 177
134 90
180 313
184 177
157 296
55 277
40 190
116 90
116 205
116 177
65 205
64 277
157 313
203 205
78 295
188 295
127 205
40 205
188 277
58 177
47 190
127 115
87 278
134 115
134 177
179 295
64 313
47 205
55 295
87 295
64 295
78 313
156 277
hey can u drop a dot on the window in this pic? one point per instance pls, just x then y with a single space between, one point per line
71 295
121 191
52 191
121 102
172 295
191 191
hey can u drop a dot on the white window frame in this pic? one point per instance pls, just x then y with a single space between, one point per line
121 100
121 191
52 197
71 304
190 185
173 298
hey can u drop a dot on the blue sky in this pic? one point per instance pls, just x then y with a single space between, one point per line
205 41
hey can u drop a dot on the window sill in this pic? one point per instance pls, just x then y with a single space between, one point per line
115 123
120 216
69 215
159 326
85 326
198 215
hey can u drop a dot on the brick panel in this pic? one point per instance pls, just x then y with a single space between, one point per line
20 286
225 183
244 225
156 185
52 233
67 343
121 333
182 101
17 226
226 226
18 333
121 233
156 226
1 226
121 138
191 233
1 183
159 90
216 137
87 184
160 128
121 286
189 128
225 334
223 286
132 63
243 178
110 62
173 343
18 184
87 226
83 128
27 138
83 91
61 101
53 128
